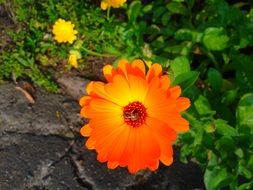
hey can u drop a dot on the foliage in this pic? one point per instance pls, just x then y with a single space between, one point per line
33 40
205 47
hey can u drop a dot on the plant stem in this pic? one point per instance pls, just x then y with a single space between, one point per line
108 13
211 56
95 53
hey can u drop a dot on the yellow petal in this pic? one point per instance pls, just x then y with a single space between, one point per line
103 5
73 60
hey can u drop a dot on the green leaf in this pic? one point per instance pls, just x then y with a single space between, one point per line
22 61
209 128
244 69
225 145
239 152
188 34
215 39
112 50
244 112
153 29
165 18
177 8
158 12
186 80
251 13
229 97
133 11
224 129
180 65
147 8
246 186
215 79
198 136
217 178
245 171
184 48
202 106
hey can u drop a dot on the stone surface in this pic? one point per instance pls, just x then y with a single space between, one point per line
49 114
96 173
40 148
74 86
92 67
36 162
178 176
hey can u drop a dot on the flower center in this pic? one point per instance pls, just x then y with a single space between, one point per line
65 30
134 114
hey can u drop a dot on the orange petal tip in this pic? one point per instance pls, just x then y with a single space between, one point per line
86 130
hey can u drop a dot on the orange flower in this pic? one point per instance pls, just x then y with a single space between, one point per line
134 117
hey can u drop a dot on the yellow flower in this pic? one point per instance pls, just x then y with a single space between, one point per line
73 60
105 4
73 56
64 31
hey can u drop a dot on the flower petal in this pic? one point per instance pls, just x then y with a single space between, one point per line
153 165
102 157
118 149
174 92
101 105
154 71
106 143
103 5
123 67
86 130
138 87
146 149
138 68
165 82
98 90
85 112
129 149
178 123
112 165
109 72
90 143
161 129
167 156
84 101
119 91
164 139
182 104
160 105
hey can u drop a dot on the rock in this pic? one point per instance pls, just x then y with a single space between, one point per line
91 67
74 82
40 148
74 86
178 176
96 173
29 162
50 115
